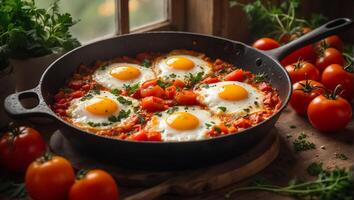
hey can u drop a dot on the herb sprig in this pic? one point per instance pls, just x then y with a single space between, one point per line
301 143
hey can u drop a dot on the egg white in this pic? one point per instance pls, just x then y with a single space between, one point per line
167 73
103 77
206 120
208 95
82 118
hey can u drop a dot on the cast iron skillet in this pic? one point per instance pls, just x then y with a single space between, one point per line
167 155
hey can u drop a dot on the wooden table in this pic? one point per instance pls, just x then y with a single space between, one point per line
288 165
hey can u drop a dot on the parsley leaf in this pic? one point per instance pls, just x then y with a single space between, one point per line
145 63
301 144
314 169
131 89
116 92
172 110
261 77
122 115
222 108
192 80
341 156
124 101
86 97
162 84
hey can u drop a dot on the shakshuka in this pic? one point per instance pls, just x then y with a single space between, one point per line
181 95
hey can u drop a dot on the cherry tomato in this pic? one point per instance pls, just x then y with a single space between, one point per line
170 91
327 57
302 70
236 75
306 53
329 113
332 41
265 44
19 147
211 80
303 93
153 104
93 185
335 74
186 98
49 177
149 83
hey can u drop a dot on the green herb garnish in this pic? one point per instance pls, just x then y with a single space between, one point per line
116 92
86 97
172 110
122 115
173 75
124 101
261 77
162 84
67 90
222 108
301 144
329 185
12 190
341 156
314 169
145 63
131 89
192 80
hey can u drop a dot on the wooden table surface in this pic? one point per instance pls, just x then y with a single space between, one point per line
287 166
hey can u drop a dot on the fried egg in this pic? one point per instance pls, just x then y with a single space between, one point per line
117 75
182 123
100 110
231 97
180 64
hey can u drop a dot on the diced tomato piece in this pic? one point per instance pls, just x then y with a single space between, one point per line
61 112
178 83
149 83
236 75
155 91
242 123
154 136
186 97
153 104
86 87
211 80
77 94
170 92
139 136
256 118
75 84
223 129
62 101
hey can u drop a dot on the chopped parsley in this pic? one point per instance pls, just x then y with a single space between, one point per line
173 75
122 115
145 63
172 110
103 67
341 156
192 80
301 144
131 88
207 125
95 91
314 169
67 90
93 124
116 91
222 108
141 119
261 77
158 114
162 84
124 101
217 129
86 97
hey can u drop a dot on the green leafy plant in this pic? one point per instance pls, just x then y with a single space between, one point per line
267 19
27 31
333 184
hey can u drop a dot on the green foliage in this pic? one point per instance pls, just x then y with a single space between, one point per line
27 31
267 19
334 184
12 190
301 143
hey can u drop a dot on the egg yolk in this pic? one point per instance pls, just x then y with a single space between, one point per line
102 106
180 63
125 73
183 121
233 93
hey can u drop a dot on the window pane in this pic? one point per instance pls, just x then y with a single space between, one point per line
142 12
97 17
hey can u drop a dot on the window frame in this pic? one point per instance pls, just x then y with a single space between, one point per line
174 21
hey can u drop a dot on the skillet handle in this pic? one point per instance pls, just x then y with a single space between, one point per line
333 27
15 109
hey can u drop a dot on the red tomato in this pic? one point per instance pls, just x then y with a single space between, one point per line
329 114
93 185
265 44
236 75
76 84
333 41
77 94
149 83
335 74
170 92
186 98
146 136
49 177
302 70
19 147
329 56
178 83
243 123
211 80
155 91
306 53
303 93
153 104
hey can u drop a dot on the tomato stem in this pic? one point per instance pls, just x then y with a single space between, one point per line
15 129
337 90
82 173
46 157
